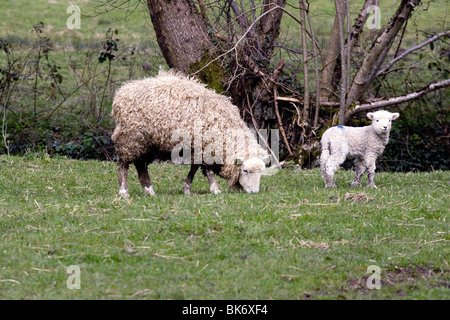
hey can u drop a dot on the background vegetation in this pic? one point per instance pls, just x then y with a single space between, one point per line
57 84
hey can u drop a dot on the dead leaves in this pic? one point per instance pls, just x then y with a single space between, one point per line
358 197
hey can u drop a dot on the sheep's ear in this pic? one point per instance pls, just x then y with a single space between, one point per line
238 161
370 115
395 115
267 159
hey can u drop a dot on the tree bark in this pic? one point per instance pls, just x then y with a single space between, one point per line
340 9
305 116
326 79
269 27
181 33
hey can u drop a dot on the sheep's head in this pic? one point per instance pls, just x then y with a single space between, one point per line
250 174
382 120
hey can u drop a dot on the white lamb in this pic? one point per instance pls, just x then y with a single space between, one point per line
364 144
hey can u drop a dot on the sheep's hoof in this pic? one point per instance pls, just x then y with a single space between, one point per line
186 189
216 191
150 191
330 185
372 185
355 184
124 193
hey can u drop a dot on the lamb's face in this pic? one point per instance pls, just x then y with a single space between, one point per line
250 175
382 121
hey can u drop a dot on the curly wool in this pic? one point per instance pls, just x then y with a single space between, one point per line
365 144
148 112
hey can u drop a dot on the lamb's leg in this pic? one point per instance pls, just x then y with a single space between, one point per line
336 158
188 183
213 186
360 168
323 161
123 179
370 163
144 178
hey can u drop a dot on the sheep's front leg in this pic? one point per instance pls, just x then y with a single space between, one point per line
144 178
213 186
188 183
123 179
360 168
371 173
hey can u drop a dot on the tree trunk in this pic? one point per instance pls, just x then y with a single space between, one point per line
376 55
269 27
182 35
329 65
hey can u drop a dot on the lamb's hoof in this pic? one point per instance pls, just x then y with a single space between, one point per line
216 191
372 185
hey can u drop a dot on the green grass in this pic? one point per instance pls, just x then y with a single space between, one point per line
19 16
293 240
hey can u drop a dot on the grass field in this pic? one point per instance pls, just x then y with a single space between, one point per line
293 240
19 16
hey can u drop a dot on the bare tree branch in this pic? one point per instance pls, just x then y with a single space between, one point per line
329 63
305 115
392 101
340 6
378 52
405 53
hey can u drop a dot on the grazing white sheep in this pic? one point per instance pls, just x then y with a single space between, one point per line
364 144
152 113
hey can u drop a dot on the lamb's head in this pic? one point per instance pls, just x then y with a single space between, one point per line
250 174
382 120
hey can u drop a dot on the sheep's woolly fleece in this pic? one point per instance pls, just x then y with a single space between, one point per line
148 112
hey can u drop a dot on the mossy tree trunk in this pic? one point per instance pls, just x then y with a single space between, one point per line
191 44
181 32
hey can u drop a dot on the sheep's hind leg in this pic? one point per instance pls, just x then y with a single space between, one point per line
323 161
123 179
333 163
144 178
371 173
188 183
360 168
213 186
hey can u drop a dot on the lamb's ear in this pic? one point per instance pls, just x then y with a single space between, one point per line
395 115
370 115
